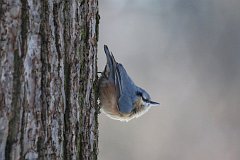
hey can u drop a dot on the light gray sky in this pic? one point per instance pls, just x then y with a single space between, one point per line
186 54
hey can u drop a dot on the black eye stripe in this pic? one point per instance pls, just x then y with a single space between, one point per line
139 94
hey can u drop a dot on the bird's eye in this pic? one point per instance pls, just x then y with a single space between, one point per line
144 98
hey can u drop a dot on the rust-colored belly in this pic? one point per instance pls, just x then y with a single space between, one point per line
108 99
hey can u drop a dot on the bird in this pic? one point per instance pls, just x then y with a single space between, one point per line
120 99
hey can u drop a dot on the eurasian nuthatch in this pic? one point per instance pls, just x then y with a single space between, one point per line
120 98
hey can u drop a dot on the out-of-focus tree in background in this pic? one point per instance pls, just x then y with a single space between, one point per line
186 54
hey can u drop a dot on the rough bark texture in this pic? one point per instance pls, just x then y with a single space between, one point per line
48 70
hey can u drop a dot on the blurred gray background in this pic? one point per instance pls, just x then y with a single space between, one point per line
186 54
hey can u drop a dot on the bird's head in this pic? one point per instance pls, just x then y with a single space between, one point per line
145 99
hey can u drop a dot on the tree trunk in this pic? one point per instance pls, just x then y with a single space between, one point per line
48 74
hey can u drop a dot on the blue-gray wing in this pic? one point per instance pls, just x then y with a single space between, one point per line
127 90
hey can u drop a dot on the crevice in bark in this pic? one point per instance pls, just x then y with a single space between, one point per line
84 32
82 2
66 10
1 9
23 41
97 25
15 109
56 7
44 51
67 109
24 26
22 130
2 104
41 143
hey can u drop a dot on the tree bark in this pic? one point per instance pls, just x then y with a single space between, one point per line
48 75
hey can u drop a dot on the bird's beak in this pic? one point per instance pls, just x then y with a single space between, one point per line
153 104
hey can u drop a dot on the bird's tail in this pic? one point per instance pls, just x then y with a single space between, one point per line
111 64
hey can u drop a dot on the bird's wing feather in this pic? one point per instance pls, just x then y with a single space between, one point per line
111 66
127 90
112 69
